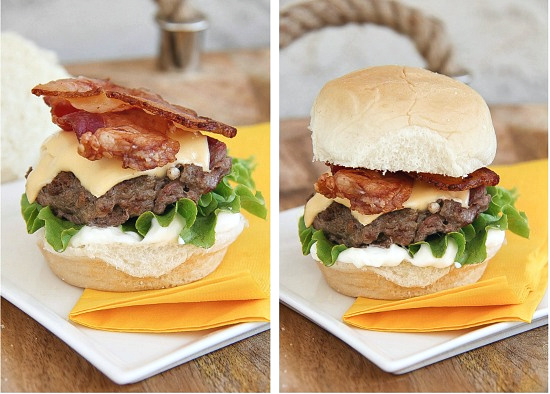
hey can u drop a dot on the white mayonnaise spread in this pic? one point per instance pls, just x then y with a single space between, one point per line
156 234
375 256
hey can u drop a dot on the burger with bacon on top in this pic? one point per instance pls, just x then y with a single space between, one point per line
133 192
407 206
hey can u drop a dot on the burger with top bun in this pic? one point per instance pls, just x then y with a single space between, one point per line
407 206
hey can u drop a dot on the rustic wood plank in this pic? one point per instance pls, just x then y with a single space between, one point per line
313 360
35 360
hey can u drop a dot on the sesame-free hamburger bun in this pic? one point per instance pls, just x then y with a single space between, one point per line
395 118
403 127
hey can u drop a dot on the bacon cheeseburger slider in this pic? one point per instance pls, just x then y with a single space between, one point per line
130 195
408 207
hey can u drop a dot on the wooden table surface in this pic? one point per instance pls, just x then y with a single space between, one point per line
313 360
231 87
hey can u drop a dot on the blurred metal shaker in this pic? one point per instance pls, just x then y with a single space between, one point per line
182 30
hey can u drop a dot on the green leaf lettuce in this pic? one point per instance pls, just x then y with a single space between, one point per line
233 193
470 240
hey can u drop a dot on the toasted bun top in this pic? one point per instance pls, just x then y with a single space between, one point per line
396 118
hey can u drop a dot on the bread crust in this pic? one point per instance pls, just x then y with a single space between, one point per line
94 273
396 118
380 283
138 266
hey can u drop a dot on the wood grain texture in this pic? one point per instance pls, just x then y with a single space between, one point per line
232 87
34 360
313 360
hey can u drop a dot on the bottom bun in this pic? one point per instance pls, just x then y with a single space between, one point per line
140 266
400 282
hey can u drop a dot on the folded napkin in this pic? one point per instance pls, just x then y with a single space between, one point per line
238 291
510 290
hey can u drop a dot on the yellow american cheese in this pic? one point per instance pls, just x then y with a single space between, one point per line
422 195
59 153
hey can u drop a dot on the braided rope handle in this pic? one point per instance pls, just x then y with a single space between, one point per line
427 33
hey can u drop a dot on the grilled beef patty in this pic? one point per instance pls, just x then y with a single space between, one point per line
401 227
68 199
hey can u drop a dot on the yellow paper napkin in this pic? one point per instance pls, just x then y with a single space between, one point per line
238 291
510 290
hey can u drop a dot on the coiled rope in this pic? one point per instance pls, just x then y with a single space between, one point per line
427 33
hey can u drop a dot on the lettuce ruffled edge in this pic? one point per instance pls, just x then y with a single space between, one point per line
470 240
236 191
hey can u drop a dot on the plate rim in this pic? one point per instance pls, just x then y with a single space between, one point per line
73 336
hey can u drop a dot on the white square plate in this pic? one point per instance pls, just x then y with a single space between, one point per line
393 352
28 283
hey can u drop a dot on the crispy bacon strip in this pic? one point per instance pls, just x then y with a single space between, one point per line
368 191
81 122
129 124
116 98
480 177
134 136
71 87
137 150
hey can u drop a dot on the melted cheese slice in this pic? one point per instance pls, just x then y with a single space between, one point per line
318 203
59 153
422 195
